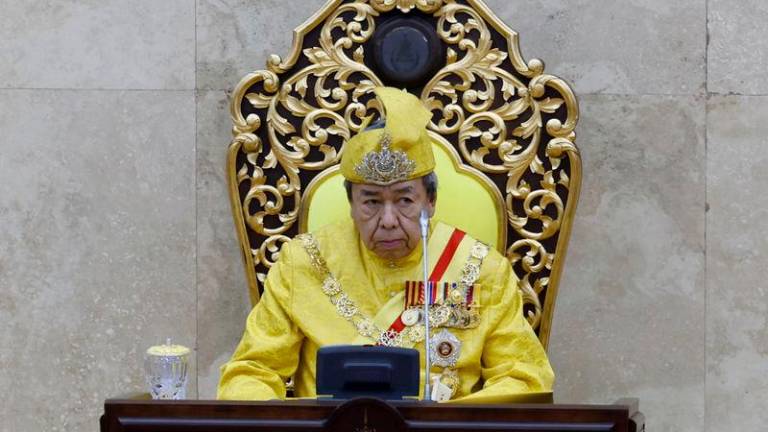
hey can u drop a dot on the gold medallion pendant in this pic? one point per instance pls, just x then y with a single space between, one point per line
445 349
439 315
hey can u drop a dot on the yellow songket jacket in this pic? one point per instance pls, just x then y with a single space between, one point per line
499 355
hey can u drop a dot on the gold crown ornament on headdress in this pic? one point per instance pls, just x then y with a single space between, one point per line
400 151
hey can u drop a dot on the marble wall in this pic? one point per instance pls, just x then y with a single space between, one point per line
115 228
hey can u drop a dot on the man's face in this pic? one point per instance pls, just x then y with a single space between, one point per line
387 217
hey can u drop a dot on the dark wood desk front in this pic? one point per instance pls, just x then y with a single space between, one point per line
363 415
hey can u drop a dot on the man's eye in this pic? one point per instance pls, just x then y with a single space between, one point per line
371 202
406 200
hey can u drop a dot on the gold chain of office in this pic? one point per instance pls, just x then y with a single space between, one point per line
365 326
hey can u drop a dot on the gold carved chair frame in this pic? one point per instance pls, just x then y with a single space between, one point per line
505 117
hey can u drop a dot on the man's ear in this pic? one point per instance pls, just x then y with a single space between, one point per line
431 207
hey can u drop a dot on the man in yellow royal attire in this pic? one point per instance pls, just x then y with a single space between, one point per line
358 283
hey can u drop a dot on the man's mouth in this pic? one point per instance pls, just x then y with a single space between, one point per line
389 244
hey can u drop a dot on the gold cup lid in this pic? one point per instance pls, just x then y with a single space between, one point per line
168 350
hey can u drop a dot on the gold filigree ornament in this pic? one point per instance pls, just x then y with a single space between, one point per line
385 166
345 307
471 270
406 6
469 318
331 286
415 333
450 378
365 328
439 315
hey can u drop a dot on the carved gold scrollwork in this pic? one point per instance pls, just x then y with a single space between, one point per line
406 6
500 115
307 117
506 117
269 251
533 262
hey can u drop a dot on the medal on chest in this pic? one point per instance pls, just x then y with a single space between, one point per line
450 306
445 349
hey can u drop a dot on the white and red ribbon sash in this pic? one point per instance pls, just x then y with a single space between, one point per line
438 271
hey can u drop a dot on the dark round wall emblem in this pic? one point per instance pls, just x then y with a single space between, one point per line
406 52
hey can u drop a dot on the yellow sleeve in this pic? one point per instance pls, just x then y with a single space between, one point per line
513 360
268 353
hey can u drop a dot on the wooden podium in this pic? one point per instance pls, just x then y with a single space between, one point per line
138 414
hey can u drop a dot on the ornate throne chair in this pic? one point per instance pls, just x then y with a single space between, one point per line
503 129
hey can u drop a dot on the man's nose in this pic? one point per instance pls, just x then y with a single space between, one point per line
389 217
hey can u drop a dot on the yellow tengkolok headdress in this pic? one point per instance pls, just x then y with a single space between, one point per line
400 151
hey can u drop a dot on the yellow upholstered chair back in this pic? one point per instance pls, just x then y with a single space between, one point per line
503 132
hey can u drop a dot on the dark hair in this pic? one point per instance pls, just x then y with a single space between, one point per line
429 181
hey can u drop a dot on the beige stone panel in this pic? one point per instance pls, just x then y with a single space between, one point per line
737 252
223 291
97 247
235 37
629 320
738 50
606 46
105 44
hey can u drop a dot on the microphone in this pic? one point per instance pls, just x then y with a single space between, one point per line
424 224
